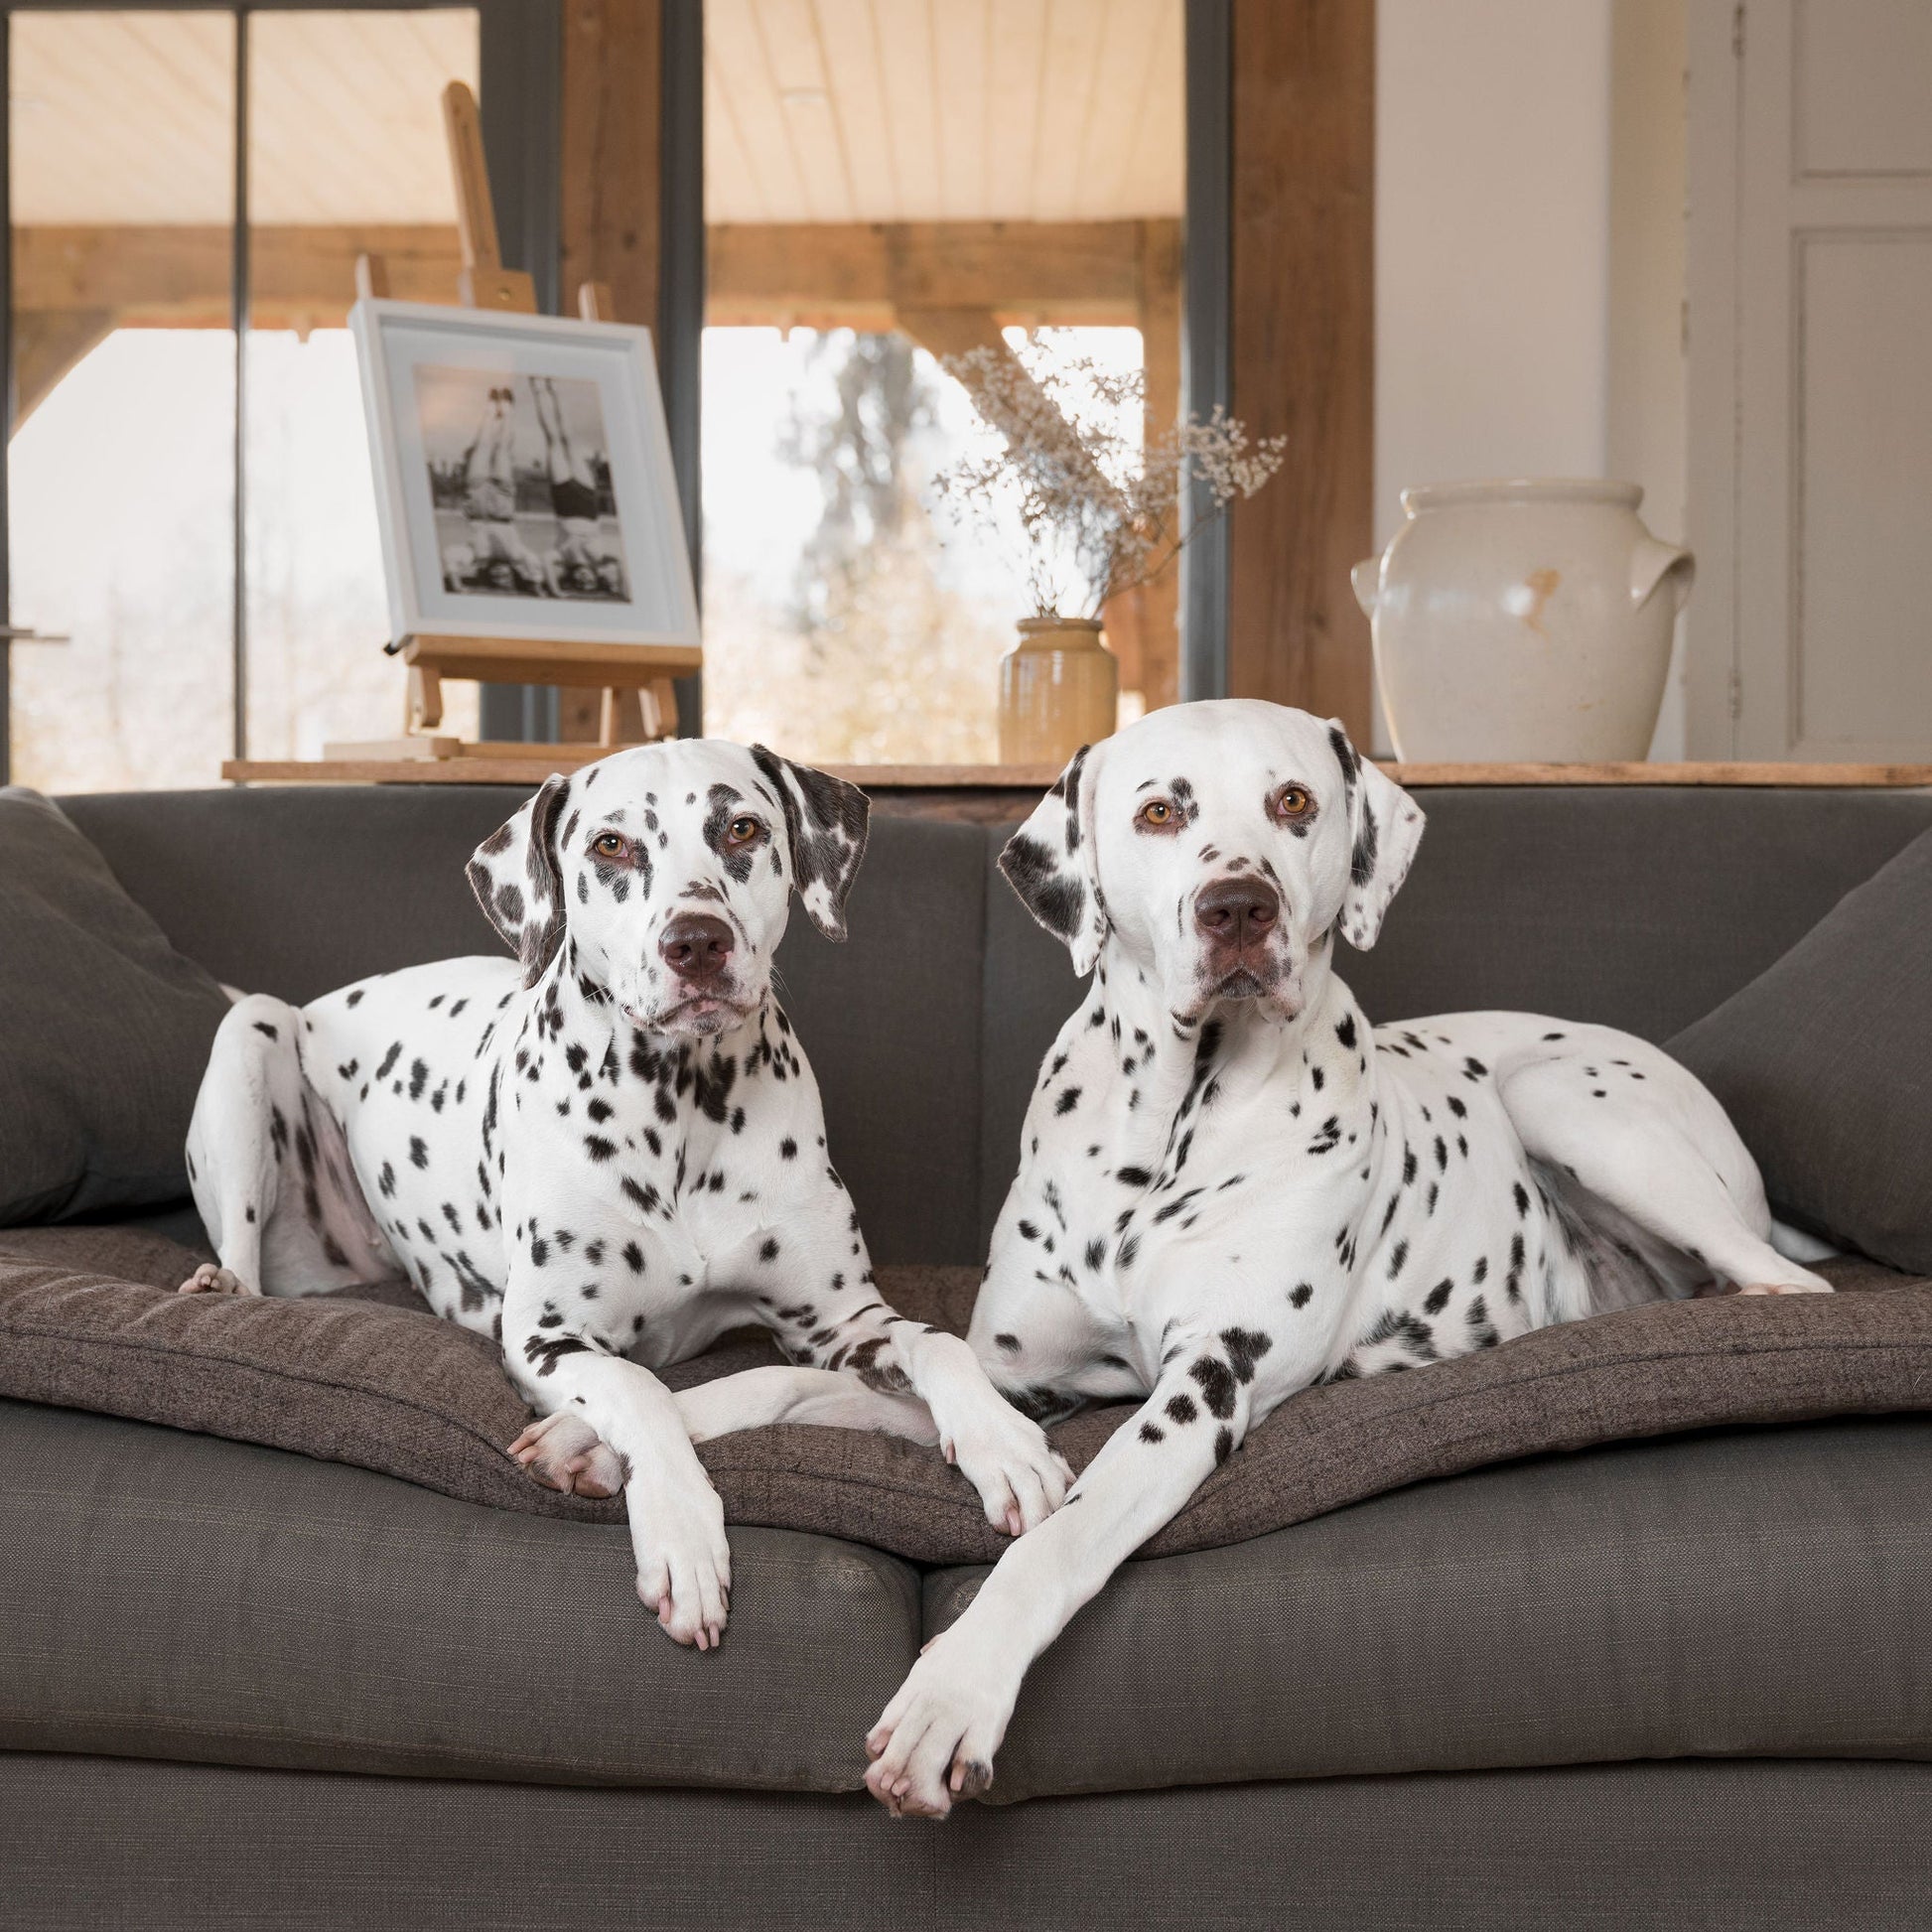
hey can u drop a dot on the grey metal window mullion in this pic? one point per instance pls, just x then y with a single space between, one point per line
1206 349
681 289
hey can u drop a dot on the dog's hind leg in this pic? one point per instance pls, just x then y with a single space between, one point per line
269 1168
1664 1156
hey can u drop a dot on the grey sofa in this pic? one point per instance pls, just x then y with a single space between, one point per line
1678 1682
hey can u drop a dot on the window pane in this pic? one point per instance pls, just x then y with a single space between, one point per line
885 188
121 464
347 155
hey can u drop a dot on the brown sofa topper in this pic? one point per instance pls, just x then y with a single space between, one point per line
89 1320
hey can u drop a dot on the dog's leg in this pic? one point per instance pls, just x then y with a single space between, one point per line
269 1168
677 1523
1670 1160
832 1316
562 1452
756 1398
936 1738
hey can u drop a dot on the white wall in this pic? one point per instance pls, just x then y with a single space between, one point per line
1529 249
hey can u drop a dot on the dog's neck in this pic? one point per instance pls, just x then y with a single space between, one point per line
1313 1060
568 1005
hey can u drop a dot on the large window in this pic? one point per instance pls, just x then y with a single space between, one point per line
123 536
888 185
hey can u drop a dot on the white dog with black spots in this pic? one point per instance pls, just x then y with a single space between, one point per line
606 1153
1231 1187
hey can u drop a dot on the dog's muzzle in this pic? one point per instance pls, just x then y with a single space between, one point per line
1237 917
698 951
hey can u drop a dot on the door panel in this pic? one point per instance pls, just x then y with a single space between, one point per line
1811 411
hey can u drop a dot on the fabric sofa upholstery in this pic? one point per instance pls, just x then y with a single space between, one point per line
1637 907
167 1595
1690 1597
282 1629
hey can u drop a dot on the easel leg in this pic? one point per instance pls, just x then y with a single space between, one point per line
663 697
423 705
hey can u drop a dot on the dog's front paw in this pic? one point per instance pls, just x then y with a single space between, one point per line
684 1563
564 1452
1006 1458
209 1279
935 1741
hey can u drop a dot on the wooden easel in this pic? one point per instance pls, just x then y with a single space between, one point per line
614 670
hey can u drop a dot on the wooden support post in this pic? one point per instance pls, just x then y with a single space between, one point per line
1159 601
1302 257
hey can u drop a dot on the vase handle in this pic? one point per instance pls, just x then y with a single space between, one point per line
1366 579
1653 564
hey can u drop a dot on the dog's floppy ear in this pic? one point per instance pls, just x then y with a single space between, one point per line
825 825
516 880
1049 863
1385 826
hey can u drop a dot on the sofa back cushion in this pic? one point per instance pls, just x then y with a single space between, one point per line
104 1027
297 890
1641 907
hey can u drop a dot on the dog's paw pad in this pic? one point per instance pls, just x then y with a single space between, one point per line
209 1279
564 1452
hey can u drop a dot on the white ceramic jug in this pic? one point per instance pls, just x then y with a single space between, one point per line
1523 622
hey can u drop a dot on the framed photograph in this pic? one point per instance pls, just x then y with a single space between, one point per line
523 478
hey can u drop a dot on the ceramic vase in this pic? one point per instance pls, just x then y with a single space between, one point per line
1523 622
1059 689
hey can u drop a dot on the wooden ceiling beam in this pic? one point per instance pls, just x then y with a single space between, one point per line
177 276
864 273
861 275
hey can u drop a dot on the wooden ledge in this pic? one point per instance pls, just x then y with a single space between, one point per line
525 769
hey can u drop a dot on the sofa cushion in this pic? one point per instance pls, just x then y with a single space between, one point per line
1756 1593
390 1387
269 888
1825 1063
167 1594
104 1030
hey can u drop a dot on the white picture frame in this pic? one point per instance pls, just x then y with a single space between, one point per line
523 478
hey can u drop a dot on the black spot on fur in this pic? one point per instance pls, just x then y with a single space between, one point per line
1245 1346
1216 1381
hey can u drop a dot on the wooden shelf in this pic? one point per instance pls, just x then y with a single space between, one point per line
493 768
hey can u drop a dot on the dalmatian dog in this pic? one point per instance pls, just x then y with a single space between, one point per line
1231 1187
606 1153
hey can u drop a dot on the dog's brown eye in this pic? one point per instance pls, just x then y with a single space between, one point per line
743 830
1157 812
610 845
1292 802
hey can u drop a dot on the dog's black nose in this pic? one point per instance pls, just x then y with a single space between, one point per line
1236 912
696 946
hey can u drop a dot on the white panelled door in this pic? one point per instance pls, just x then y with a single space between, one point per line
1811 379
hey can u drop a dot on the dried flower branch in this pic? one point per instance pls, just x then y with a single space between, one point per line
1101 514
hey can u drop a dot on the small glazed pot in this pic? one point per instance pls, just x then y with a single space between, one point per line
1525 621
1059 689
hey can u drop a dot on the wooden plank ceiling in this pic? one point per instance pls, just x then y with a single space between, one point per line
942 110
126 118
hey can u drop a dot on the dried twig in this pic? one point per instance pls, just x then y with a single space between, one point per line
1101 514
